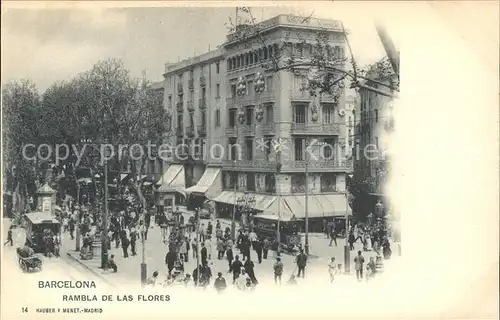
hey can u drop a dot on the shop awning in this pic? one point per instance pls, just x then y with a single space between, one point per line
262 201
285 207
173 180
123 176
207 180
334 204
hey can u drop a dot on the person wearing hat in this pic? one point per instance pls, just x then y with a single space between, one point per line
152 280
220 283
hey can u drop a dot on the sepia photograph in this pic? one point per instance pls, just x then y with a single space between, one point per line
157 156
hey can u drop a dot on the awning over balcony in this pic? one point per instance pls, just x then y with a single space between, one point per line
209 185
173 180
262 201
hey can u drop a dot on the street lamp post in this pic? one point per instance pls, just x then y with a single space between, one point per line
77 242
306 204
104 232
347 249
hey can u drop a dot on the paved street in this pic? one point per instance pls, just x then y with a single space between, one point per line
53 269
129 268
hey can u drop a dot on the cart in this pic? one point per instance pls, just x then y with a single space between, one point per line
29 263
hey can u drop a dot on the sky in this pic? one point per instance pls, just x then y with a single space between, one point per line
47 45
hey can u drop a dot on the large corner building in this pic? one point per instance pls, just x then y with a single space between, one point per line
233 111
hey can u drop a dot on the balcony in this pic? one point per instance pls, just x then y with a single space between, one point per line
248 129
190 106
180 106
202 81
266 96
190 131
231 131
266 128
250 164
202 103
300 95
179 132
318 165
202 130
191 83
180 89
315 128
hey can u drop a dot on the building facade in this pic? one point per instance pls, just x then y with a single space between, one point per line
376 123
193 94
251 111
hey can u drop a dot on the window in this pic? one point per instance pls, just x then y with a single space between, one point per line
268 143
203 117
250 89
269 113
300 114
217 68
179 120
256 56
270 51
299 149
217 117
232 117
376 115
327 114
233 90
300 50
328 146
247 59
191 119
233 148
251 57
327 182
270 183
265 53
270 83
229 65
170 101
249 115
217 91
298 183
250 181
249 149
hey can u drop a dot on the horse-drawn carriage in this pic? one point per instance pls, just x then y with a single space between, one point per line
28 260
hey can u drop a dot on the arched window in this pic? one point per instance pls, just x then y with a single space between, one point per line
247 59
242 58
276 50
265 53
261 54
256 56
238 62
229 64
234 62
270 50
251 57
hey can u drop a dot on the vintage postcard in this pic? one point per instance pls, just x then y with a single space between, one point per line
218 160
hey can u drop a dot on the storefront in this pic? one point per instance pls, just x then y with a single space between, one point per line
208 187
171 188
256 203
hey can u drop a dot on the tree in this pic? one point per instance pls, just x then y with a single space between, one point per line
20 112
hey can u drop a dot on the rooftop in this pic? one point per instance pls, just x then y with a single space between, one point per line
199 59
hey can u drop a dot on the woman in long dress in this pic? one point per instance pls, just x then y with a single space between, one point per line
368 241
332 269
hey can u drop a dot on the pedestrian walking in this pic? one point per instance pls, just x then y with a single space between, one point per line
236 267
258 249
170 259
133 240
229 253
359 260
204 253
371 269
278 270
301 261
249 268
351 240
266 245
333 269
220 283
220 248
9 237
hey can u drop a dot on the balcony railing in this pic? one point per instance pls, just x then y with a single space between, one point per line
202 130
256 164
202 81
202 103
231 131
266 128
248 129
180 106
191 83
190 131
315 128
179 132
190 106
180 89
